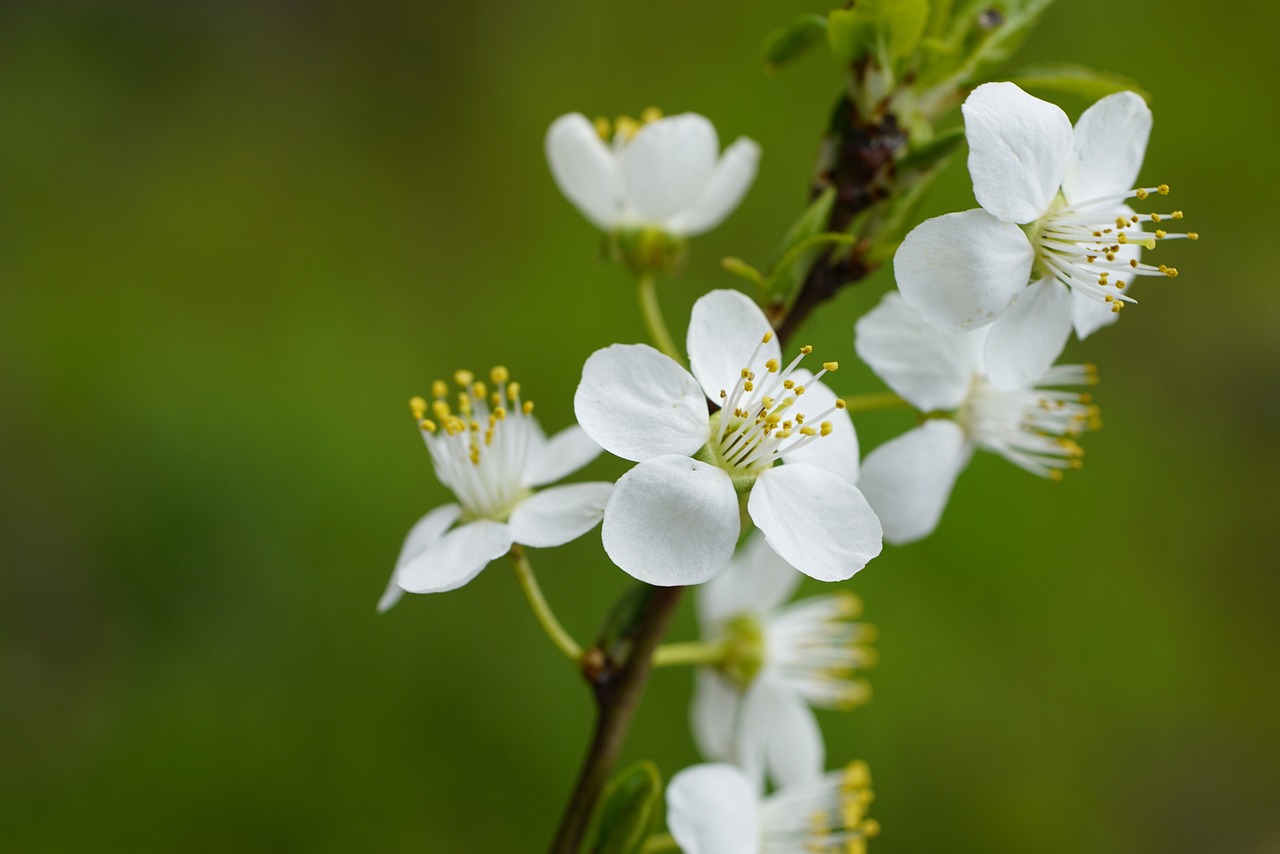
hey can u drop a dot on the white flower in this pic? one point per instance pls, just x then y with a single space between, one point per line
779 660
909 479
491 453
1053 213
667 174
717 809
674 519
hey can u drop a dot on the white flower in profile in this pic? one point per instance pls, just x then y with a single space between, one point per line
779 660
1053 213
662 173
717 808
674 518
491 453
909 479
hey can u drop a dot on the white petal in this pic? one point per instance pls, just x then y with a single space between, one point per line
560 456
1090 315
930 368
425 533
1029 337
557 515
672 520
909 479
713 715
725 328
961 270
714 809
815 519
667 164
780 729
585 169
457 558
638 403
1019 149
1110 141
723 191
837 451
756 581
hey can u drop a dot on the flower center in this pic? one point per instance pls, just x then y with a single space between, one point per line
479 451
743 649
620 131
762 419
1034 428
826 816
1092 246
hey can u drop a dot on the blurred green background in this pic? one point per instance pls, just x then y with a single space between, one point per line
236 237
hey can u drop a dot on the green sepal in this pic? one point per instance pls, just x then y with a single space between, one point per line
628 811
787 44
622 621
1066 78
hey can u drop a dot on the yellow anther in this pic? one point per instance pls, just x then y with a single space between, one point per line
1160 234
650 114
1097 234
464 403
513 392
1193 235
840 404
1115 307
799 390
626 126
499 413
475 456
1141 193
499 374
768 336
480 390
1135 219
1133 262
806 350
428 425
495 399
1176 214
1119 286
748 385
746 372
1172 272
799 417
825 428
788 384
808 431
1110 298
871 827
528 407
463 378
602 127
441 410
1163 269
771 366
1155 217
1124 238
1163 189
831 366
1055 474
418 407
439 389
1111 256
1121 222
1150 244
723 394
766 402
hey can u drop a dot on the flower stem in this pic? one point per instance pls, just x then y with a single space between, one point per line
561 638
670 654
652 313
872 402
659 843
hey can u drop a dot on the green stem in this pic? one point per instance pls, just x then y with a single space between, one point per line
653 321
561 638
659 843
670 654
872 402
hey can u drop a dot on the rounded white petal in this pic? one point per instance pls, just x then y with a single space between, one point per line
1109 143
725 328
909 479
1029 337
457 558
425 533
780 736
713 715
1019 150
671 521
816 520
961 270
837 451
756 581
1089 315
930 368
638 403
667 164
723 191
557 515
714 809
560 456
585 169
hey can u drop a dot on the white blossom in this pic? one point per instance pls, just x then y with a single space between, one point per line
1053 214
489 450
779 660
717 808
666 173
674 518
909 479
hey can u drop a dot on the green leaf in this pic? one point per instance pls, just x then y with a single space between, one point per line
850 34
1065 78
812 221
790 271
932 153
627 811
1005 36
785 272
620 624
793 41
743 270
891 28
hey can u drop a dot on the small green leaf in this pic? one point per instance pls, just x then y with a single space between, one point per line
743 270
1065 78
891 28
796 254
627 811
789 43
789 273
812 221
620 624
850 34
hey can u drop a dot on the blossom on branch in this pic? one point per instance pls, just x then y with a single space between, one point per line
909 479
490 451
1053 214
674 518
